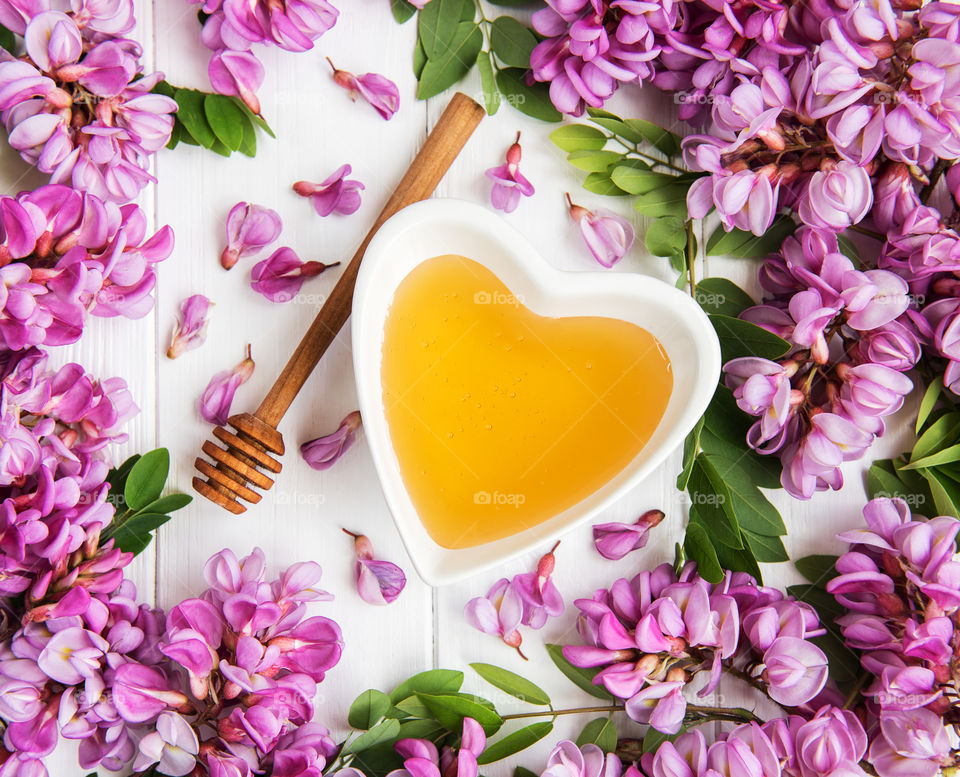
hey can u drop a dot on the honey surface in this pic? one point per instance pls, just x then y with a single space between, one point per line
501 418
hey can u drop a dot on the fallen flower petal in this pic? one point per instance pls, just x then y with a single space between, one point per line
541 598
378 582
607 235
509 183
615 540
376 89
218 396
323 452
500 613
190 330
336 194
250 228
280 276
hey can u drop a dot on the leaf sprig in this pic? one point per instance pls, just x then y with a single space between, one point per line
136 489
220 123
455 36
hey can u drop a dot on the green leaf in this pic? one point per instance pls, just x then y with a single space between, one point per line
593 161
488 83
666 141
753 510
414 708
741 338
766 549
600 183
578 137
844 664
402 10
882 479
117 477
432 681
421 729
708 499
168 504
738 561
666 236
511 683
522 771
515 742
945 456
930 397
8 40
582 678
512 42
225 119
699 548
368 709
826 606
945 429
146 479
764 470
669 200
817 569
134 534
387 731
419 59
438 25
690 447
653 739
451 710
637 180
945 492
452 61
746 245
532 100
601 732
618 127
191 115
248 146
719 295
725 419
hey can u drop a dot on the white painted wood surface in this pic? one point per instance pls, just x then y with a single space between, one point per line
318 129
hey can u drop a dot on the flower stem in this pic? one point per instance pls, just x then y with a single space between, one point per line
607 708
732 714
691 257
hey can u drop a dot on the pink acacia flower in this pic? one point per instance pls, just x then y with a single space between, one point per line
607 235
190 330
323 452
237 73
500 613
280 276
217 397
336 194
378 90
378 582
509 184
173 747
615 540
541 598
250 229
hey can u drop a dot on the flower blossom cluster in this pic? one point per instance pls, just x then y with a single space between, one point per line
852 341
802 102
77 104
650 636
65 254
900 585
231 29
224 682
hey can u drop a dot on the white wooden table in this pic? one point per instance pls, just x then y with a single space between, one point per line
317 130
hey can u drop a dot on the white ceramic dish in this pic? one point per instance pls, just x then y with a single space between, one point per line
436 227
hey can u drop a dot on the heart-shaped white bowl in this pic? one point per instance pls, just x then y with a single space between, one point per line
437 227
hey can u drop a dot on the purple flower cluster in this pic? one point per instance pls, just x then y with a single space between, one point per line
651 635
65 254
232 27
900 584
77 103
802 101
226 680
528 599
851 341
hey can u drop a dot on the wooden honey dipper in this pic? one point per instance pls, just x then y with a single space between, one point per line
241 466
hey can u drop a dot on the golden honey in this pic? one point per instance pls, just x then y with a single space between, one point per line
501 418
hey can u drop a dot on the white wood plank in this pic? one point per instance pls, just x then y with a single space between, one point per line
318 129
